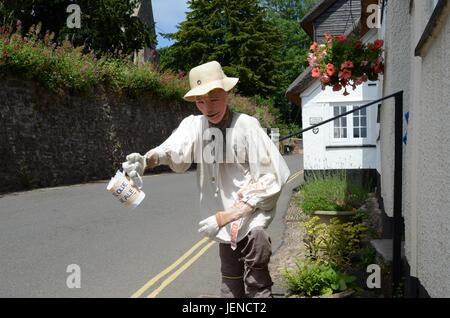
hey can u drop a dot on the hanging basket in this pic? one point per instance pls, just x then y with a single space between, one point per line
344 61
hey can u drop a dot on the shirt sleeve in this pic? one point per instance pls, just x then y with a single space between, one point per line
269 171
177 150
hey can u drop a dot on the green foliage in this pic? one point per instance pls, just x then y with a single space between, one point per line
331 192
313 278
256 107
237 34
248 45
286 14
106 25
291 10
361 215
286 129
333 243
368 256
65 67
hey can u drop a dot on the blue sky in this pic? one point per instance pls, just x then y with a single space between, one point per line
167 15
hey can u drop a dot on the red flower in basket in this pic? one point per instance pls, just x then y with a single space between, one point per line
341 38
345 61
330 69
378 68
337 87
325 79
347 64
345 74
315 72
378 44
314 47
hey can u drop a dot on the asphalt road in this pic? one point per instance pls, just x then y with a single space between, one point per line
118 251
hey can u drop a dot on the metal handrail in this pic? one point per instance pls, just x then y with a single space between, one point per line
398 175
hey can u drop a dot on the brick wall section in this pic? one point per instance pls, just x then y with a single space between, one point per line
50 140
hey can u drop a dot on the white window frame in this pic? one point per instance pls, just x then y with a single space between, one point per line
350 140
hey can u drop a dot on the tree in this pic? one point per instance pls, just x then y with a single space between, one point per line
106 25
237 34
286 14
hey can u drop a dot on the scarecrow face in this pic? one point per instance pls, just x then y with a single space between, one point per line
213 105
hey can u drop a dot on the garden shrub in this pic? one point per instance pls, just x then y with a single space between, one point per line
314 278
333 243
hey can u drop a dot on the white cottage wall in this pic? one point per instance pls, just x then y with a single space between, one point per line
426 164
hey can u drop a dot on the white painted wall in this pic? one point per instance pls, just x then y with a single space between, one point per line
431 162
426 174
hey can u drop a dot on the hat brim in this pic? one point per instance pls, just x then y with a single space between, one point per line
226 84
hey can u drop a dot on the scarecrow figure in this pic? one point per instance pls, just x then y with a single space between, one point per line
240 175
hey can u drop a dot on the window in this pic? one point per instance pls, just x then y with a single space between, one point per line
360 123
340 124
352 129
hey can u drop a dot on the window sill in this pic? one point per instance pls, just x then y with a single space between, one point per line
350 146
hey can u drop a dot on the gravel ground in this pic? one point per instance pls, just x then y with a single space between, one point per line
291 247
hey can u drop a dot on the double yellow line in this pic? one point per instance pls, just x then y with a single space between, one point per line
177 273
295 175
180 260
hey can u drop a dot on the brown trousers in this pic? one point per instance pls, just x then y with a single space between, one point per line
245 271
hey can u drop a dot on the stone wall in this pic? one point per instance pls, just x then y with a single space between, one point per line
50 140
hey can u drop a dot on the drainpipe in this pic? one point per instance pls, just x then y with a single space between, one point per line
398 177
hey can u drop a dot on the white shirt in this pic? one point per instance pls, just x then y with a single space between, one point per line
256 161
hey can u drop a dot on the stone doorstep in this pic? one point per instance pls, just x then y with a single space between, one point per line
385 249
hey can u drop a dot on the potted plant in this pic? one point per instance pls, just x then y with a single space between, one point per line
329 196
345 61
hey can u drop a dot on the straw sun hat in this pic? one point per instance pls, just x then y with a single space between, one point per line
206 77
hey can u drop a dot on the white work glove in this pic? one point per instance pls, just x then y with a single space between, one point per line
135 165
209 227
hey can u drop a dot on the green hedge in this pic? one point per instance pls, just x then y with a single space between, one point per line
61 67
